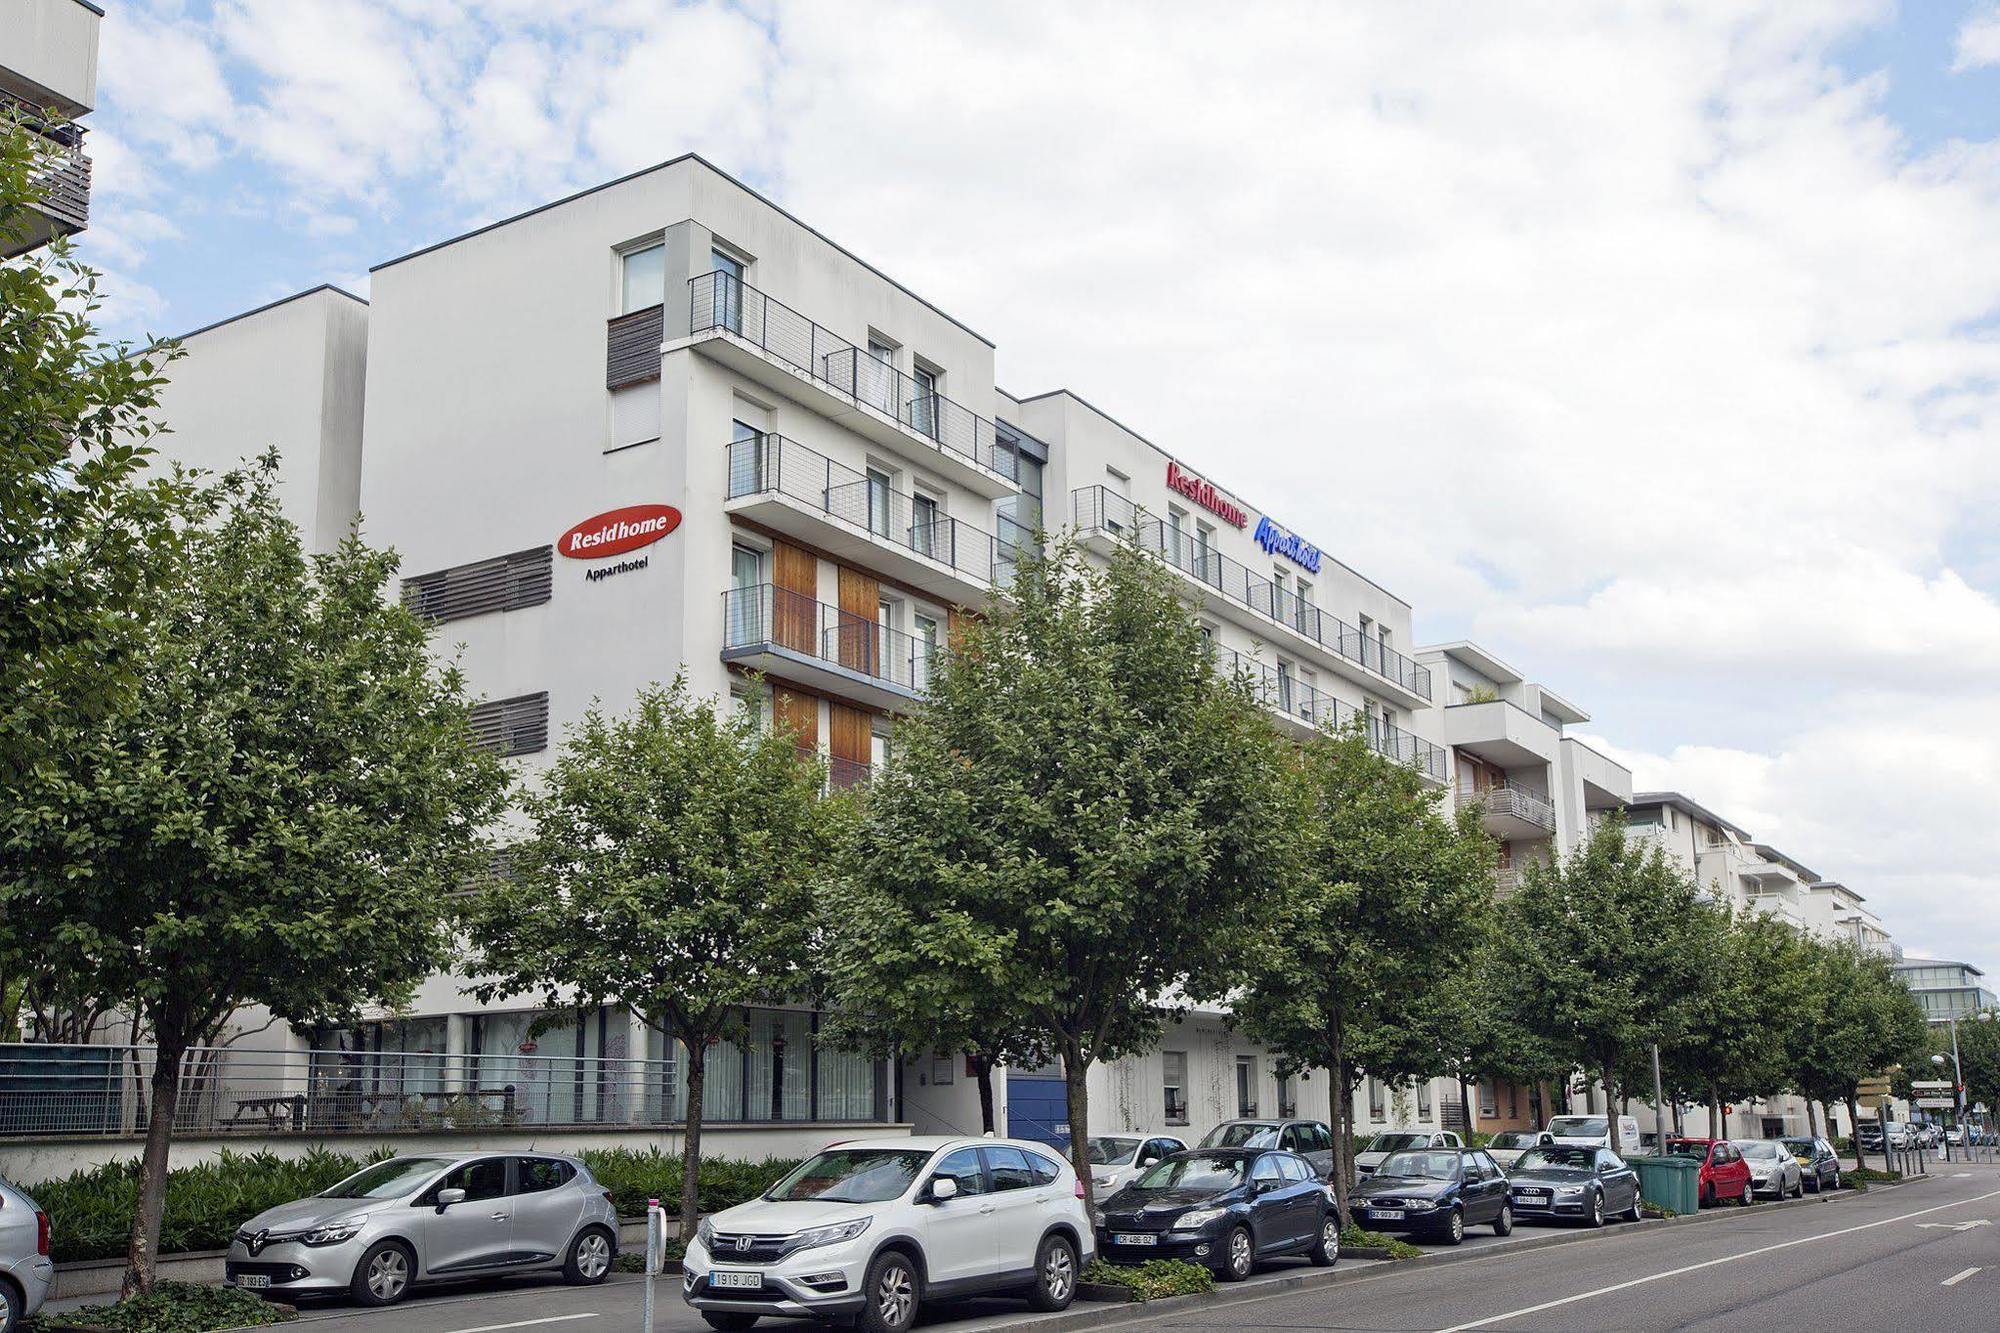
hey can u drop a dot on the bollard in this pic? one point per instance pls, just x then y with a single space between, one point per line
656 1226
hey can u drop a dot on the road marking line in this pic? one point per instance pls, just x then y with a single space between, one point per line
525 1323
1957 1278
1694 1268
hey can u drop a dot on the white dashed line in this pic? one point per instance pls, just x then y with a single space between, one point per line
1957 1278
525 1323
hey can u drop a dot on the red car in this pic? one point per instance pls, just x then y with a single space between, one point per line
1724 1173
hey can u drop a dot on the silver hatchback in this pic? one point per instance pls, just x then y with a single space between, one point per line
25 1271
436 1218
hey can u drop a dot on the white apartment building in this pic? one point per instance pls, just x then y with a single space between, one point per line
48 64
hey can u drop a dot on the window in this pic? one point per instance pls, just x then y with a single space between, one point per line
1174 1085
1206 564
726 290
943 1070
1489 1100
963 1166
1316 1137
1288 1095
1376 1100
748 701
536 1174
925 538
1267 1168
1176 528
1294 1169
1307 619
925 630
1424 1100
1246 1085
746 566
483 1179
635 414
1284 685
878 502
642 277
1010 1168
878 758
1045 1171
924 407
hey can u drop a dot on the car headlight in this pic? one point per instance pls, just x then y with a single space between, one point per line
832 1235
1196 1218
335 1233
1421 1206
1569 1191
704 1235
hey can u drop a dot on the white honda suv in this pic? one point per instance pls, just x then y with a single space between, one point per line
871 1229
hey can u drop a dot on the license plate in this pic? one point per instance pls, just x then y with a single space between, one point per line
253 1279
1533 1194
723 1277
1135 1238
1386 1214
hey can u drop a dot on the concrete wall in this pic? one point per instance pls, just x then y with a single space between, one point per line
48 53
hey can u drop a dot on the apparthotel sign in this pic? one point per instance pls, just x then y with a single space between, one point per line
1203 493
617 531
1287 544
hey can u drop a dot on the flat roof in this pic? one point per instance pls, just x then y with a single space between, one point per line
765 200
1686 807
1465 650
1908 963
1770 853
1079 398
270 305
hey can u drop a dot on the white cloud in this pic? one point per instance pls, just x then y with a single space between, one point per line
1978 41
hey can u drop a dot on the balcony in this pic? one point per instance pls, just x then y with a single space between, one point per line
1512 813
1305 708
63 178
793 637
778 347
1506 883
784 485
1501 733
1229 587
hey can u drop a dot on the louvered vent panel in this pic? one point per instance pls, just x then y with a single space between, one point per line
632 347
512 726
503 583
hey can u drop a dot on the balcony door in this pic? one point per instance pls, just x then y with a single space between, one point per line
728 288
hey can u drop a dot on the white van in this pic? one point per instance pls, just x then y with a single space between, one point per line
1594 1131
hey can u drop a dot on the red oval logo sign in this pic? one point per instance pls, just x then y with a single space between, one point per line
617 531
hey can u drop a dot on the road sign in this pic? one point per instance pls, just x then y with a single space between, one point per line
1931 1085
1870 1089
1936 1103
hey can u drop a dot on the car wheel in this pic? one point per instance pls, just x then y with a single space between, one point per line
1055 1275
1326 1252
1637 1212
10 1306
589 1258
890 1294
1596 1208
1239 1256
1454 1227
729 1320
1748 1196
383 1275
1503 1224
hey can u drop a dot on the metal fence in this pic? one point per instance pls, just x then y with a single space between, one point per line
764 616
1100 509
724 301
1504 798
1284 692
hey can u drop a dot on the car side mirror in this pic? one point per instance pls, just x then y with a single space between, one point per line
1149 1161
446 1198
943 1188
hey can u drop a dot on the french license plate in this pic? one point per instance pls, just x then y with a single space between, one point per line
1385 1214
1534 1194
253 1279
1135 1238
725 1277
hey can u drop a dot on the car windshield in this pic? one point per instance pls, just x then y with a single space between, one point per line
1762 1150
1575 1159
1428 1165
1194 1171
1801 1147
1397 1142
1110 1151
1513 1138
1242 1134
1684 1148
387 1180
852 1175
1579 1127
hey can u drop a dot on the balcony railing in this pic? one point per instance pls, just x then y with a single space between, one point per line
1282 692
772 464
723 301
764 616
1506 883
1520 803
1097 509
61 176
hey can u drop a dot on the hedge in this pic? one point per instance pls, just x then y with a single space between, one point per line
173 1307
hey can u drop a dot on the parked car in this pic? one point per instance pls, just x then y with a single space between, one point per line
26 1274
1507 1146
1773 1169
1869 1135
1401 1140
1225 1208
1116 1160
1554 1183
1594 1131
873 1230
1819 1165
1724 1173
1310 1139
1435 1193
443 1217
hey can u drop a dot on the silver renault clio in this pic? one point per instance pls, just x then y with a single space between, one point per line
435 1218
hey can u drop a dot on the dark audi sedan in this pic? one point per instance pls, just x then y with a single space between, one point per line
1573 1184
1436 1193
1226 1208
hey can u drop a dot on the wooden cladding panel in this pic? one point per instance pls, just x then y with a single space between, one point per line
860 607
849 734
794 598
798 714
632 347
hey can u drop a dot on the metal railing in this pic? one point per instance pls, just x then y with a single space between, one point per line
773 464
1095 509
764 616
1504 798
1506 882
1282 692
724 301
62 175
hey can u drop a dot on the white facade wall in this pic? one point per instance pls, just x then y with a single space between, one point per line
48 53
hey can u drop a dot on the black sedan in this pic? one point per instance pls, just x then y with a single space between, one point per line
1817 1163
1573 1184
1436 1193
1225 1208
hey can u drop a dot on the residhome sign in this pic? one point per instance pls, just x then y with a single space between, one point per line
617 531
1203 493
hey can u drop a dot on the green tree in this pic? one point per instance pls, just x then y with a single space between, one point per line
1602 958
1737 1016
1978 1057
270 815
1861 1022
1081 829
671 862
1378 926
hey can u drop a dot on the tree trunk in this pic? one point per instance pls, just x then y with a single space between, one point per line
1465 1108
1854 1136
1342 1111
691 1136
1076 1070
1611 1116
1715 1121
1812 1118
982 1069
142 1252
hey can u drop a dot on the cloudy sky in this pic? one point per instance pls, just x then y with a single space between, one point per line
1653 346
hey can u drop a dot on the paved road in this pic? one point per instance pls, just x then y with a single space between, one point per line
1882 1260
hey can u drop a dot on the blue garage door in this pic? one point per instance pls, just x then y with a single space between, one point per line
1037 1108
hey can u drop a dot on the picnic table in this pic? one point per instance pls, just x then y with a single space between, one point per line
269 1113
